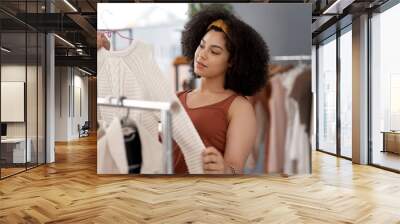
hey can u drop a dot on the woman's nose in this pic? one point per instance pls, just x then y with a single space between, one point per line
202 54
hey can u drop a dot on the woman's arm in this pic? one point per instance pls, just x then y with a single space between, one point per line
241 134
240 139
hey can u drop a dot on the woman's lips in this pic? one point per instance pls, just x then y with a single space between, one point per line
200 65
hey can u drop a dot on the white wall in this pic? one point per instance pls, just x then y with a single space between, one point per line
62 80
17 73
33 126
69 85
79 117
14 73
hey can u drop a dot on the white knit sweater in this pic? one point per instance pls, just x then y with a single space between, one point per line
133 73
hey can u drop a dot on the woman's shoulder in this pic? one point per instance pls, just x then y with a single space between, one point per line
181 93
241 101
241 106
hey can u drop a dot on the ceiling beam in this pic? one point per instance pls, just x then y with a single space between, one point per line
82 61
86 26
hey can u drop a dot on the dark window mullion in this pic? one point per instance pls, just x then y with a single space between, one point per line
45 87
37 90
369 79
26 86
338 98
316 97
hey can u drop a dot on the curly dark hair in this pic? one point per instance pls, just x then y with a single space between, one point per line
248 51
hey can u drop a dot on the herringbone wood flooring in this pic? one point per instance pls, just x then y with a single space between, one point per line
70 191
10 171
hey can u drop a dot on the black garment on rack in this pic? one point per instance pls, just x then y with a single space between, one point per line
133 149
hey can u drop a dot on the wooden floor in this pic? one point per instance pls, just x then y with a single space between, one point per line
5 172
10 171
69 191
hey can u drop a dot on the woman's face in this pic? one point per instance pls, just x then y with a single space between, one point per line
211 58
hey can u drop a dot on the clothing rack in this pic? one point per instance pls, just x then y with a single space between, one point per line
164 107
292 58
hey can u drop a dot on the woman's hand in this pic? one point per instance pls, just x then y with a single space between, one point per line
102 41
213 161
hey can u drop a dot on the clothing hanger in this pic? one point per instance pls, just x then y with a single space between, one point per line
128 126
120 101
131 139
110 32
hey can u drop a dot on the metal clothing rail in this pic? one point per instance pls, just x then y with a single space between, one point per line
164 107
292 58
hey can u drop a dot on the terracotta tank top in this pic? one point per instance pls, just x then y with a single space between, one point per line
210 121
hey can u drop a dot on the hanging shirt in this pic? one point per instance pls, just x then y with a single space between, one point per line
133 73
297 106
275 155
112 156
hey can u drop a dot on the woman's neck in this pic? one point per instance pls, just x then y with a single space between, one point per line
212 85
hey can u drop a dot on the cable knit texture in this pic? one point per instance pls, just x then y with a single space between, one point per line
133 73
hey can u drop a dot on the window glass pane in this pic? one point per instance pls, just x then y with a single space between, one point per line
31 97
41 98
22 84
327 96
15 151
385 84
345 94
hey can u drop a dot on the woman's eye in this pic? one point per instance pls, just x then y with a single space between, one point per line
213 52
201 46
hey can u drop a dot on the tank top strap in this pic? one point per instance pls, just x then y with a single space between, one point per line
181 93
223 105
226 104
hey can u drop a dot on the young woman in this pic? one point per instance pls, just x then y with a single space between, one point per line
231 59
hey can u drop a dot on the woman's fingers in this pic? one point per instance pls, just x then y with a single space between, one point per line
210 151
212 166
106 43
102 41
210 158
99 40
213 161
